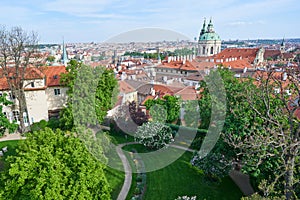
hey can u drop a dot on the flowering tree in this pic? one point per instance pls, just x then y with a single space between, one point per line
154 135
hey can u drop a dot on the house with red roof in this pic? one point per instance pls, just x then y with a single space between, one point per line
44 94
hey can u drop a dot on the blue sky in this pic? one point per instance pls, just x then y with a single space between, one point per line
99 20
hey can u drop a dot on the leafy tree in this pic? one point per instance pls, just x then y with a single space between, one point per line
50 58
106 93
92 92
169 103
154 135
191 111
53 165
18 50
4 122
262 129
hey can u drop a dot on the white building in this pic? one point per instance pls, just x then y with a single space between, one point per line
209 42
45 96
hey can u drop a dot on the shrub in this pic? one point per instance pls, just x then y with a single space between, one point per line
154 135
41 125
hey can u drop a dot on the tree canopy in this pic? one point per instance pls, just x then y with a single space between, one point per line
92 92
261 129
167 108
53 165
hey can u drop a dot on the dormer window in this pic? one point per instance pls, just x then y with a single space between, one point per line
55 76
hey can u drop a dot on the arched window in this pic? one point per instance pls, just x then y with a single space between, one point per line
211 50
203 51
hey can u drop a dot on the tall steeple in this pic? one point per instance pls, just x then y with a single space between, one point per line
158 56
210 27
282 46
203 28
64 57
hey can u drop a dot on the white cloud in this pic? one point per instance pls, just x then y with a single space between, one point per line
245 23
76 7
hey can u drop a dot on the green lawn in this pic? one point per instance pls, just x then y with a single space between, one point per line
180 178
115 179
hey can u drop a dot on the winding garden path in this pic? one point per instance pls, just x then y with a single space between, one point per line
127 169
240 179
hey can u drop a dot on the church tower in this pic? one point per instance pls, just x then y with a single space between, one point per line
209 42
64 56
282 46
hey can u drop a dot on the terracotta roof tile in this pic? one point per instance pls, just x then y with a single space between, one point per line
53 75
125 87
239 53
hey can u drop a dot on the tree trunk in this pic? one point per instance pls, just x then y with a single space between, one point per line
289 177
22 110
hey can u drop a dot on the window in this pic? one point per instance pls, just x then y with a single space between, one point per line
12 96
203 50
212 50
32 84
56 91
16 116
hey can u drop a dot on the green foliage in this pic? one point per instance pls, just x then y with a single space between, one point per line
4 122
192 115
41 125
259 127
53 165
52 123
50 59
168 104
106 93
154 135
92 92
217 164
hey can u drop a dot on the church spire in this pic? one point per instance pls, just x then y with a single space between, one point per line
210 26
203 27
282 46
64 57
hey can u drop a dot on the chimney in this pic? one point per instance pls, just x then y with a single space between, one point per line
284 76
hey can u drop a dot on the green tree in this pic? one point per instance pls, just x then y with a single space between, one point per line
92 92
191 112
154 135
50 58
261 129
170 103
4 122
53 165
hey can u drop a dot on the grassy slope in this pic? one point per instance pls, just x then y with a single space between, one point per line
180 178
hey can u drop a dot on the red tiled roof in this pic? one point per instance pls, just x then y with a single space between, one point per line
31 73
187 93
125 87
53 75
147 98
162 90
238 64
239 53
271 53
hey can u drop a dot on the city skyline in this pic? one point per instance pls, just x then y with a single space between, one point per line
100 20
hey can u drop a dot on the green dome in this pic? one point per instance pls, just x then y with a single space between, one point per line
210 36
